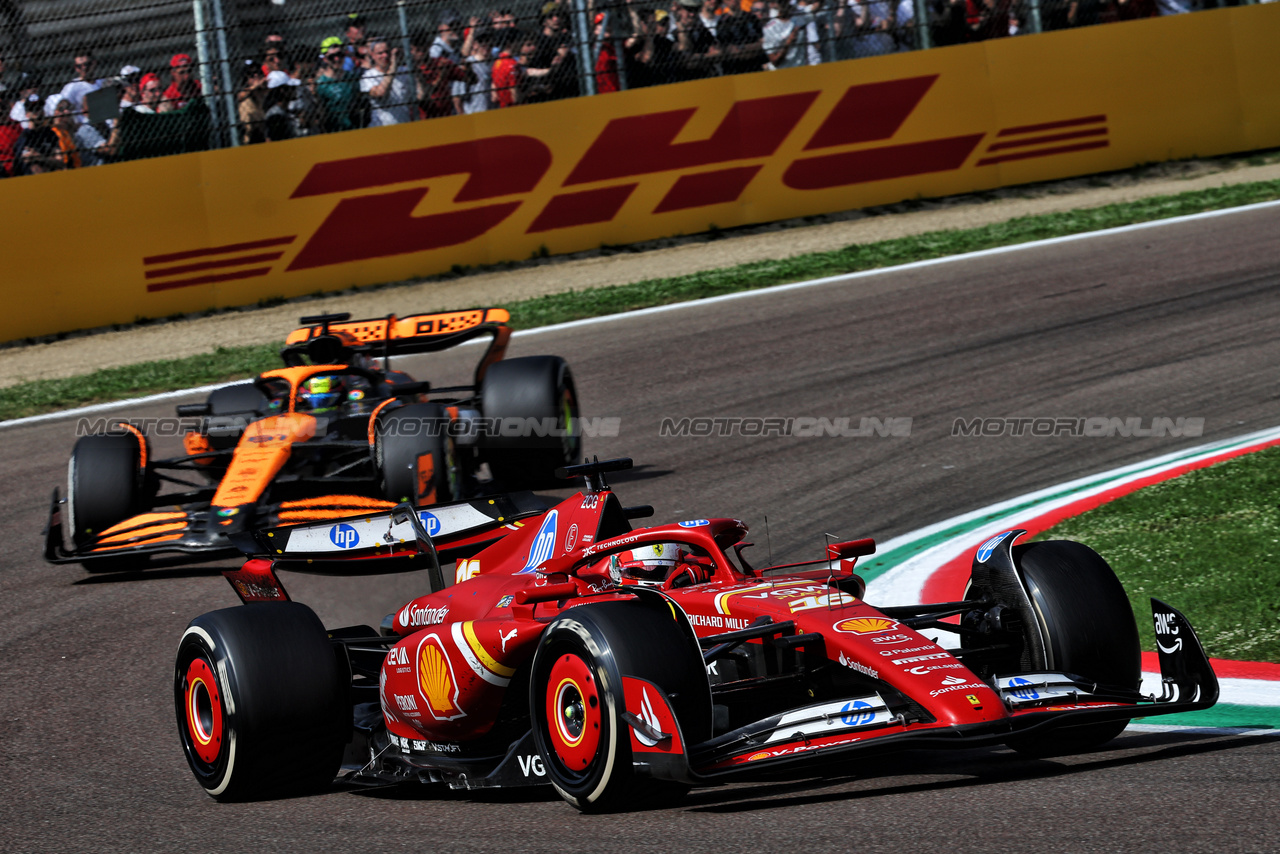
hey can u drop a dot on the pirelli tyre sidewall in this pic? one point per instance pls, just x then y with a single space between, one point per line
581 657
261 701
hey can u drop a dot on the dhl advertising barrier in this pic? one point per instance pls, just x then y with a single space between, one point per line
224 228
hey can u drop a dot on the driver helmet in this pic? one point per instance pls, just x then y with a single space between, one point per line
653 565
322 393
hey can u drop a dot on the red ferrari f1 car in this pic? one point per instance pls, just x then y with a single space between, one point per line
334 432
617 664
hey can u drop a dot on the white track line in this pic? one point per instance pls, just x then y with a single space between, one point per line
679 306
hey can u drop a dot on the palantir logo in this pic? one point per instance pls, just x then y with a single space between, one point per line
430 523
544 544
344 536
857 713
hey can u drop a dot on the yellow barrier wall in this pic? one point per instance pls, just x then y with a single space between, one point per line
225 228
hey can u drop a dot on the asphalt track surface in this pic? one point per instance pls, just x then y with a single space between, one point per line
1181 320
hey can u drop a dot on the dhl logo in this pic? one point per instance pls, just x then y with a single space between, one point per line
852 145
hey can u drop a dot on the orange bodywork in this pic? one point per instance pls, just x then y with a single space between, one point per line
263 450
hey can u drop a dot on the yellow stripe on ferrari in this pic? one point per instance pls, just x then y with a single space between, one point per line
486 659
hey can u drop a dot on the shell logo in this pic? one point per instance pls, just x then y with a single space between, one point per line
436 680
865 625
762 755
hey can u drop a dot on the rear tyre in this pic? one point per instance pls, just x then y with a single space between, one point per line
261 702
106 484
514 391
1084 614
576 700
242 399
414 455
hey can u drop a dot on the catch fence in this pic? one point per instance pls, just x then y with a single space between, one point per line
94 81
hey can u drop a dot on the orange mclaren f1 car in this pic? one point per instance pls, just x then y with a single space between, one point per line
332 433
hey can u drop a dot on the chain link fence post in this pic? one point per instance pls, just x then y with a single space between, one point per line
586 67
224 63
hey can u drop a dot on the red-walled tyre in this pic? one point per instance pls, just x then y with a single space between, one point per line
576 700
261 702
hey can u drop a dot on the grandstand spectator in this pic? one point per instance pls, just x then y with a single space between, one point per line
130 94
1173 7
336 89
606 64
356 48
23 89
989 19
741 37
694 53
819 31
391 87
904 25
84 83
474 93
282 92
183 86
709 16
508 72
274 59
948 22
151 93
785 39
82 144
873 22
446 41
437 76
549 70
251 100
37 150
64 126
10 130
648 50
506 35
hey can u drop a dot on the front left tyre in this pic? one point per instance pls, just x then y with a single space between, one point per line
261 702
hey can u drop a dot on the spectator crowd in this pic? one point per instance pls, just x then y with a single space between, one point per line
356 78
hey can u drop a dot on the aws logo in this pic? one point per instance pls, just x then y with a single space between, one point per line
851 146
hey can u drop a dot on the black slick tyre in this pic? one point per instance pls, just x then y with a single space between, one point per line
107 482
520 393
414 455
576 700
1089 629
261 702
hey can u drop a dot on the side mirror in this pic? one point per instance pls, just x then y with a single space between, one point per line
193 410
851 549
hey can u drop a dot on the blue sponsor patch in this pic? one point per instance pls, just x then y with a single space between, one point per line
505 601
544 544
985 550
344 536
429 522
1022 693
857 713
695 523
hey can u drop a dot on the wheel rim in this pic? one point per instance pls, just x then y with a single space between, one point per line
203 707
573 713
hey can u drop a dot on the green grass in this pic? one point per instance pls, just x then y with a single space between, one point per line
239 362
1208 543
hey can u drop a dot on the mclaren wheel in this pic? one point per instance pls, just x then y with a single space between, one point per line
261 702
415 455
576 700
533 404
1089 629
107 482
